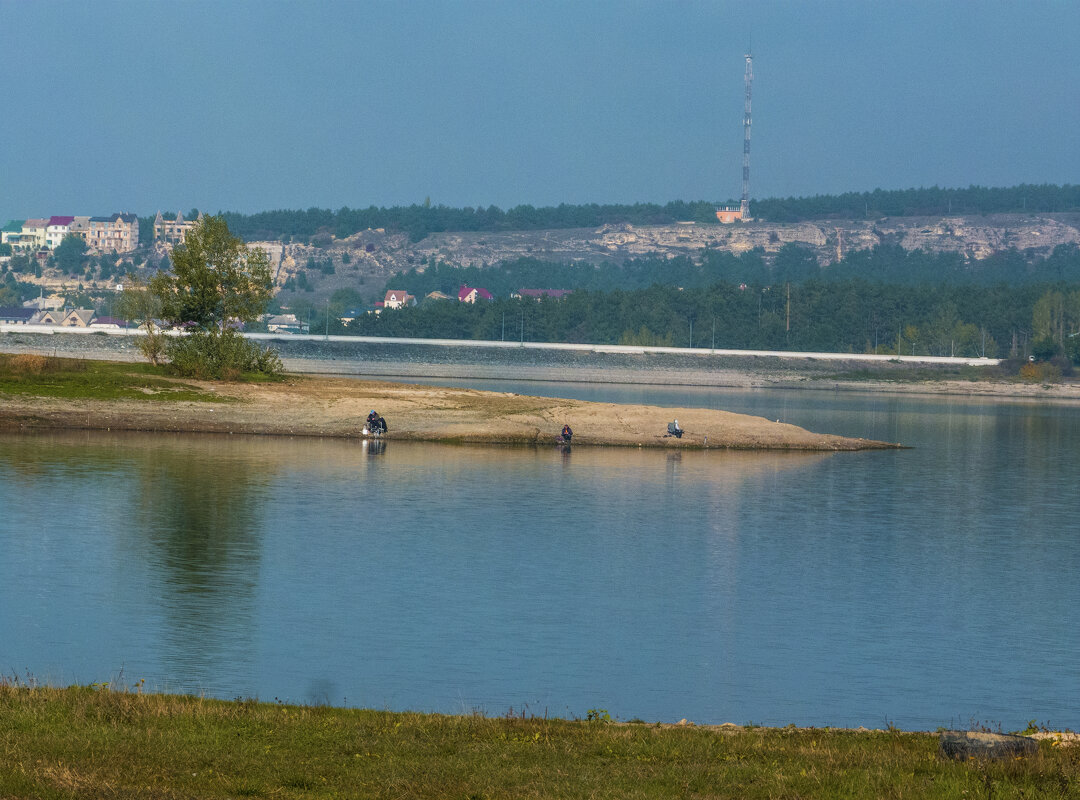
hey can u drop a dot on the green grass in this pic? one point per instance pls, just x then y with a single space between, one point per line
69 378
89 743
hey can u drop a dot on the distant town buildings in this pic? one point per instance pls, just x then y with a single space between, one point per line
468 294
56 229
285 323
25 236
173 231
66 318
41 303
118 233
729 214
396 298
17 316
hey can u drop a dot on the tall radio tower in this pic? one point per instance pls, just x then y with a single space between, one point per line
744 207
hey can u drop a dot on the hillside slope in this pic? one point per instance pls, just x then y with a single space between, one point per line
374 255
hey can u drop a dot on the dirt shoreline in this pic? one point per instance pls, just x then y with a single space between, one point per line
337 407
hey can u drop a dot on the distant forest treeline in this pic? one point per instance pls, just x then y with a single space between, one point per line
850 315
931 202
419 220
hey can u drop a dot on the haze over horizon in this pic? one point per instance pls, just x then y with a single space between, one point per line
252 106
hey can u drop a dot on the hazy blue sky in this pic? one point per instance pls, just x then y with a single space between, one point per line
140 106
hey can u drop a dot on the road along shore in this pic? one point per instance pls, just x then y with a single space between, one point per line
404 359
337 407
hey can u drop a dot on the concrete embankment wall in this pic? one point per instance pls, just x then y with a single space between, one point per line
430 358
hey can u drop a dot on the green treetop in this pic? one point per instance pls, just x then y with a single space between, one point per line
215 279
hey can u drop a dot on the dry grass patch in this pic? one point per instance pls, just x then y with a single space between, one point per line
33 364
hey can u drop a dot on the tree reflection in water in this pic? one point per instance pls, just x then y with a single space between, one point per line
199 514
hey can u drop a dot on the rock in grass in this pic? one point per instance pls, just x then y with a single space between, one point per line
963 745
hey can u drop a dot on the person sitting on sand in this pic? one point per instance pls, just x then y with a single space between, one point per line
567 434
673 429
375 424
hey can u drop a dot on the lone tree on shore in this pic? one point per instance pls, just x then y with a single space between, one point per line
139 304
217 284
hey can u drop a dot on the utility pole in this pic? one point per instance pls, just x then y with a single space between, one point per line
744 207
326 330
788 328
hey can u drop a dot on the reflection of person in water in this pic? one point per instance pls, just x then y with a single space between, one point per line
374 447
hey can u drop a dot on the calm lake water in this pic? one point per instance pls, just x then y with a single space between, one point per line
925 587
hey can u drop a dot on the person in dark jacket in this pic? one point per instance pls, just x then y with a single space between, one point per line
375 424
567 434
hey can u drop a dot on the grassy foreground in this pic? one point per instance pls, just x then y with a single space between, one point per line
71 378
88 743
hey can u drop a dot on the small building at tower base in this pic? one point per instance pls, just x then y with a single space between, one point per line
729 214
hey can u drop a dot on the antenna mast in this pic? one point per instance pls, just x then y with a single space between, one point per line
744 208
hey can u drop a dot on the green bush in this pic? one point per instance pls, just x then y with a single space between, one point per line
209 355
1044 349
153 346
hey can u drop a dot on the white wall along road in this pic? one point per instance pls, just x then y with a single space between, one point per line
585 348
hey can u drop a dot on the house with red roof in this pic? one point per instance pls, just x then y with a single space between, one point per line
471 295
56 229
396 298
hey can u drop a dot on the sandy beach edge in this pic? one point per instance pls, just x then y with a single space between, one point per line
337 407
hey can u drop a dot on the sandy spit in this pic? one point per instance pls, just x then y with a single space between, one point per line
305 406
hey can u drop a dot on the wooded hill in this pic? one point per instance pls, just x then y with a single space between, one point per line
420 220
885 300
